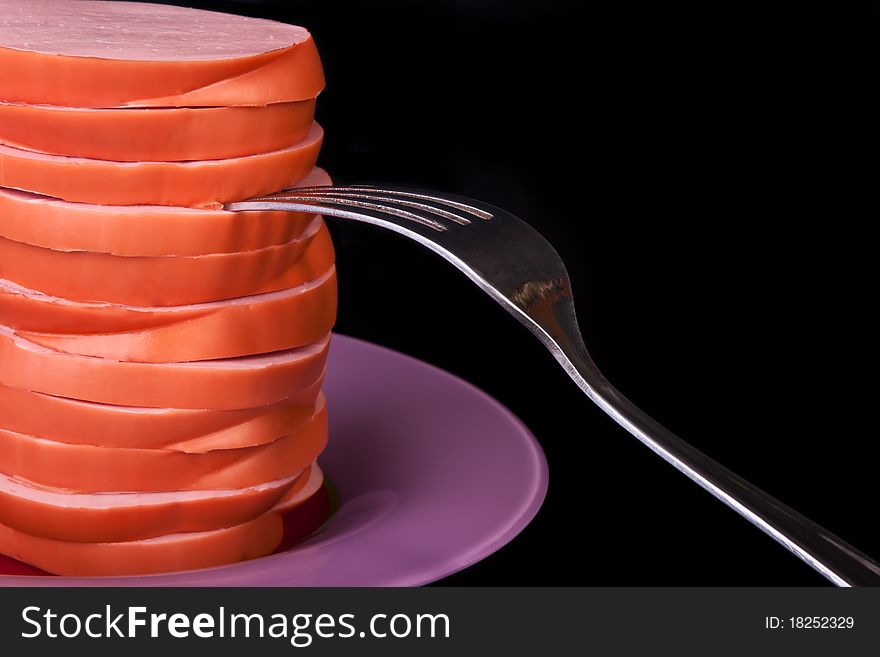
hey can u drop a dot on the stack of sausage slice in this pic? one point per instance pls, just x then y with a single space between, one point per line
161 359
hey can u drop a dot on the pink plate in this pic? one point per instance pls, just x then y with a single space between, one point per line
433 475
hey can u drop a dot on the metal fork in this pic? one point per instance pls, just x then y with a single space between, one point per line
519 269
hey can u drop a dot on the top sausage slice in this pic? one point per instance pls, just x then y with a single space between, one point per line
117 54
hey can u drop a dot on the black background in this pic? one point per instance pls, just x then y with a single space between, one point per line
706 170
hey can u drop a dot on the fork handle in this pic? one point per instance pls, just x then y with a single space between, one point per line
829 555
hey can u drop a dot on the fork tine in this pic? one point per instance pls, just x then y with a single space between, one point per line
440 212
464 207
375 207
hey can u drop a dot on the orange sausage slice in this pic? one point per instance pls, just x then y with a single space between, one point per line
269 83
91 469
167 281
309 303
100 54
312 481
231 383
145 230
31 310
21 307
200 183
112 517
156 134
182 551
173 552
240 327
195 431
